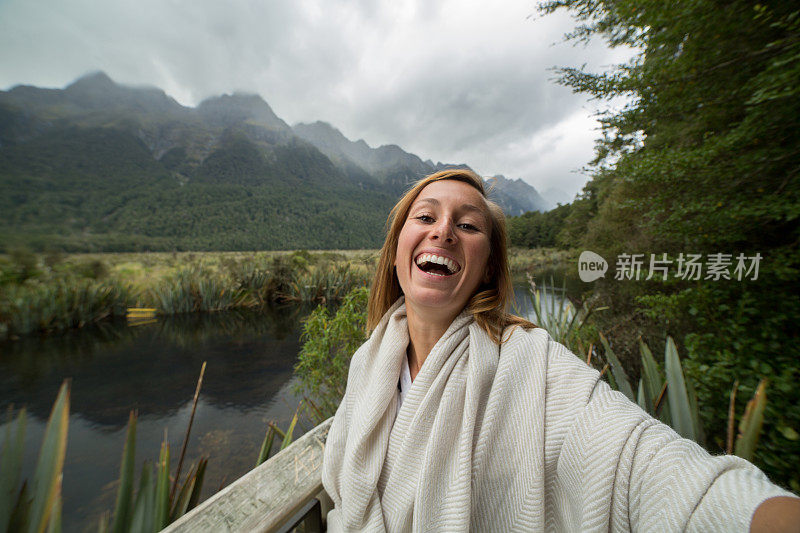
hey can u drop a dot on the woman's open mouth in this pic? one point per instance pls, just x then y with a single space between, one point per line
437 264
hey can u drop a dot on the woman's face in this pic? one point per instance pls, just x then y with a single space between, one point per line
443 248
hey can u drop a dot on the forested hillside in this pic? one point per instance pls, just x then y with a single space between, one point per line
703 160
103 167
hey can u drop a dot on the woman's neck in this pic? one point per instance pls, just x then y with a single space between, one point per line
423 332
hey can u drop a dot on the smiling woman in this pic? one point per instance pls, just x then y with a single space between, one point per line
448 213
459 416
442 257
443 248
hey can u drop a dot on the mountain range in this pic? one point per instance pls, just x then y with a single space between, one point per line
98 166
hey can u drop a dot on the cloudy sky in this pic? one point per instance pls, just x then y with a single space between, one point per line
453 81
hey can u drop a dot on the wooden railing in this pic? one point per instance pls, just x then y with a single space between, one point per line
267 497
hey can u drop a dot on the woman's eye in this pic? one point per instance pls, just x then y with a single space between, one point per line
424 218
467 226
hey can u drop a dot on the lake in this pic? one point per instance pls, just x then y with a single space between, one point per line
153 368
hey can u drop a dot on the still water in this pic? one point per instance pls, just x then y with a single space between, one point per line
153 368
557 287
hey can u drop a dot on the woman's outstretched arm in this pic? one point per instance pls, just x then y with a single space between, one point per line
779 514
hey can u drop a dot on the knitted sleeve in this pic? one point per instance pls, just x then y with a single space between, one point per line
619 469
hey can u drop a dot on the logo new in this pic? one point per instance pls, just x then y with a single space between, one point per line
591 266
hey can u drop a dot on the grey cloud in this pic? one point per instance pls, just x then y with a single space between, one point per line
451 81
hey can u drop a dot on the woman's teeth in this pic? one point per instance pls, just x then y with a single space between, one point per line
451 266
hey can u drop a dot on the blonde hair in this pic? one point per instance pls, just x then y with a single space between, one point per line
488 304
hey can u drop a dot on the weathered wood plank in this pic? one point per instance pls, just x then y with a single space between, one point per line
265 497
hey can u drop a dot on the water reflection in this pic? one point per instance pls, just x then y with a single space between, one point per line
153 368
560 285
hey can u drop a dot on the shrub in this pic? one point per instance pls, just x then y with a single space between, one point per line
328 344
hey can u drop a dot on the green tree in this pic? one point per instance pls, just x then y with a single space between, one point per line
704 159
534 229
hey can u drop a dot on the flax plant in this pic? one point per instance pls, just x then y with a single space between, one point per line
555 313
34 505
156 501
669 395
272 431
153 506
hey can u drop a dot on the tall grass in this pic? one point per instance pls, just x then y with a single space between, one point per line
328 285
195 290
523 260
56 292
60 303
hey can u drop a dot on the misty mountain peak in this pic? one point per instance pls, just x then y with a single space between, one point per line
245 100
93 90
320 125
97 90
517 195
236 108
320 132
97 80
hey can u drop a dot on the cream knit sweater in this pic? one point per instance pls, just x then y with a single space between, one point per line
521 437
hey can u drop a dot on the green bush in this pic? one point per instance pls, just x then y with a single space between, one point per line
26 264
60 303
328 344
194 290
758 342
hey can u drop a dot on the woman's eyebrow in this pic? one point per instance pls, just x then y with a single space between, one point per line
463 207
473 207
433 201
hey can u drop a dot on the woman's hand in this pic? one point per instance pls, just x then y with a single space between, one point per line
778 514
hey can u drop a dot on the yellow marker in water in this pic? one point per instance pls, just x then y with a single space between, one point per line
141 312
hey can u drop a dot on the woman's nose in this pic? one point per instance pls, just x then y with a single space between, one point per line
444 231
